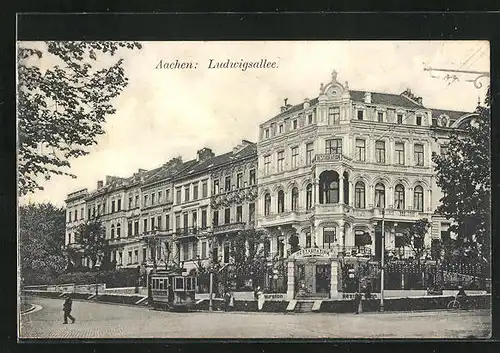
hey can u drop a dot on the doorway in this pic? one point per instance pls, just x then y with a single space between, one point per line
323 279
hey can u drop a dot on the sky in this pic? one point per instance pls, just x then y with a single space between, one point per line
164 113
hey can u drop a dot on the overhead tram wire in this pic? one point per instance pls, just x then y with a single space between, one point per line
466 61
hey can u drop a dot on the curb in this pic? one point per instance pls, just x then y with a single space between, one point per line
30 309
33 309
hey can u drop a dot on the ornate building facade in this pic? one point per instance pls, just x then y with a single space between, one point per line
323 169
330 165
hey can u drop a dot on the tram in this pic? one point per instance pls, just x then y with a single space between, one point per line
172 291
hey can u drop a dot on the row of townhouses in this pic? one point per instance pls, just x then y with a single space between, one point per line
322 169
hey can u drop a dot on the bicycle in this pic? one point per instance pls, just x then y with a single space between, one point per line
457 304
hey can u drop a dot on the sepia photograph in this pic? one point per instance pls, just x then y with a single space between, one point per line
254 189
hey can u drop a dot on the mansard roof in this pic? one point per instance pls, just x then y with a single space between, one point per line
453 115
377 98
166 171
218 161
390 99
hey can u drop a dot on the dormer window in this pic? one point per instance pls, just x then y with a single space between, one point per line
266 133
281 128
400 119
419 120
360 115
310 119
380 117
295 124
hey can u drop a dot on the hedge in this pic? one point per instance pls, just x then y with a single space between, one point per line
403 304
131 300
275 306
124 277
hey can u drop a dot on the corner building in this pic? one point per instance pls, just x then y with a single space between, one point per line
328 166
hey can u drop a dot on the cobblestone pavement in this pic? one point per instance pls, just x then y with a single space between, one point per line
97 320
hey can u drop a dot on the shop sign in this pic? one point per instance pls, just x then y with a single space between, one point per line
275 297
312 252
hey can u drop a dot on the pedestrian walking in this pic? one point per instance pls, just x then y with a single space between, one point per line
357 302
231 301
67 307
226 301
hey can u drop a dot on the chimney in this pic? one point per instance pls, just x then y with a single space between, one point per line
100 184
205 153
306 103
242 145
419 100
368 97
109 179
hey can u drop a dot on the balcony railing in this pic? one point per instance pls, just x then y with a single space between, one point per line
236 196
329 157
189 232
229 227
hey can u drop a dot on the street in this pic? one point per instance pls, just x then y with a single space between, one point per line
97 320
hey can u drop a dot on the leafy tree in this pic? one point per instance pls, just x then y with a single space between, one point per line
463 174
92 237
61 109
248 254
414 237
41 235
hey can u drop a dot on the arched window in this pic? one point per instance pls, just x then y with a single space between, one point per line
399 197
295 199
281 201
309 195
418 198
112 231
267 204
118 228
359 195
329 187
379 195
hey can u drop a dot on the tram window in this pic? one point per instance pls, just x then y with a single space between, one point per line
179 283
161 284
188 284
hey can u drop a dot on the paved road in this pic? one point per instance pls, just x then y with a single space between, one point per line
97 320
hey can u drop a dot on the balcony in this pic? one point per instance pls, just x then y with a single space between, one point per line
331 208
282 218
189 232
236 196
330 157
229 227
74 246
390 213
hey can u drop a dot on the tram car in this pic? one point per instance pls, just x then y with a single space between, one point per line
173 291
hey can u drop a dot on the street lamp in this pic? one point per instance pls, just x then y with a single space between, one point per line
382 262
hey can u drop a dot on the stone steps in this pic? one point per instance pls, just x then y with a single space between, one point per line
304 306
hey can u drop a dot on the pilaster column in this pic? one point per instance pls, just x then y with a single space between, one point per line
316 191
351 193
290 292
341 187
333 279
340 238
429 202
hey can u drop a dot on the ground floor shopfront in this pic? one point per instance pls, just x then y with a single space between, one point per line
312 273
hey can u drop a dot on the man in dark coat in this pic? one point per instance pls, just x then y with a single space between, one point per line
357 301
67 310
